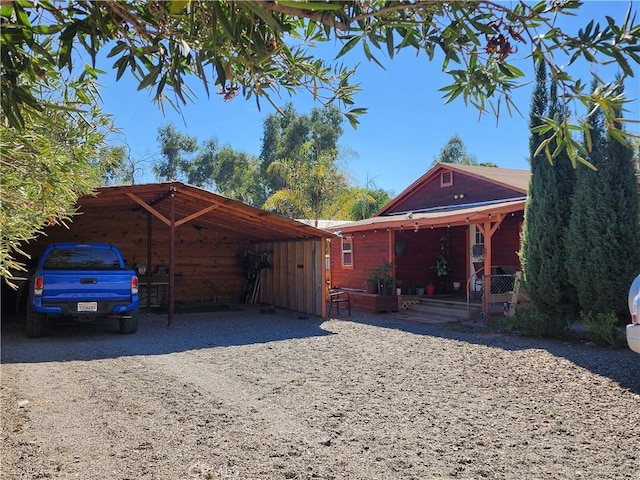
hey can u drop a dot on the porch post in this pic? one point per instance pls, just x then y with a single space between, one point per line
488 230
392 252
488 233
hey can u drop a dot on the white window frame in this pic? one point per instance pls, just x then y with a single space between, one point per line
346 252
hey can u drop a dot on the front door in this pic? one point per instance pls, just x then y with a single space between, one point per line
477 255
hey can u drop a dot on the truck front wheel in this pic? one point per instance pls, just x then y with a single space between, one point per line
129 324
35 323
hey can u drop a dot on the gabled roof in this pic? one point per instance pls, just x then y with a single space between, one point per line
516 180
201 208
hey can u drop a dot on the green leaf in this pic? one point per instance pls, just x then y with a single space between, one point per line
353 41
389 41
224 21
21 15
260 12
150 78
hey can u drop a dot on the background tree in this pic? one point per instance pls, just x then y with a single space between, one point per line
173 146
358 203
604 233
230 173
234 174
304 138
547 213
123 169
455 151
238 175
310 188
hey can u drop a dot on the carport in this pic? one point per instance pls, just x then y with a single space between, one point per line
189 246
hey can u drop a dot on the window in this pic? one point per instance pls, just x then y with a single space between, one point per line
347 252
82 258
446 179
477 249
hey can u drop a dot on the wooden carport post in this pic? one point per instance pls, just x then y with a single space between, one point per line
172 224
149 259
172 253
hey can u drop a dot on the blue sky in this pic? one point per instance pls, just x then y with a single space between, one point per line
405 128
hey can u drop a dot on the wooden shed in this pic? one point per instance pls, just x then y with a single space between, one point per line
193 246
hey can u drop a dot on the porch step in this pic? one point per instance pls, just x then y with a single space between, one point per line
444 310
421 317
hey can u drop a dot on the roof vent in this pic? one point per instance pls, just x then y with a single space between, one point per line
446 179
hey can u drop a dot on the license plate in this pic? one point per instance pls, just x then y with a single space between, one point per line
87 306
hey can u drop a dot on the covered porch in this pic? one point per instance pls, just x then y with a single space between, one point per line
479 246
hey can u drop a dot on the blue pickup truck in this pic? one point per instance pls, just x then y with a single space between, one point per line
84 281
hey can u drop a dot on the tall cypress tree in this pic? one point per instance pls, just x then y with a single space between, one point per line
547 213
604 235
562 185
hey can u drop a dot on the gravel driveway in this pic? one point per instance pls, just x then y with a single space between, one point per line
244 395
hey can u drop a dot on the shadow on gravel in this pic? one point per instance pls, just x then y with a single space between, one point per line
621 366
100 339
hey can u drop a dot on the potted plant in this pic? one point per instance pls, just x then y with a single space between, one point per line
371 282
379 279
441 266
385 284
431 288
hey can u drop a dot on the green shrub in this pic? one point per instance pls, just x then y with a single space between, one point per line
602 328
532 323
504 323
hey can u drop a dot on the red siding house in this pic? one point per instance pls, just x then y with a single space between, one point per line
472 214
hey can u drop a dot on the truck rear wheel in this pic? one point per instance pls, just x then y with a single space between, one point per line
129 325
35 323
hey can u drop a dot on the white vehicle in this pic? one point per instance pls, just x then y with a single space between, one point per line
633 329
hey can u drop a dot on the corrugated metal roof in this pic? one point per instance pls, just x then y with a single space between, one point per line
434 219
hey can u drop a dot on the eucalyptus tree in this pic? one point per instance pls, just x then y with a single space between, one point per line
455 151
233 174
300 137
124 168
173 147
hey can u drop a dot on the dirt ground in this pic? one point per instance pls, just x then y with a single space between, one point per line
242 395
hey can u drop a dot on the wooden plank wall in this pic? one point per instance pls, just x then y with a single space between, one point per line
207 267
506 241
370 249
296 281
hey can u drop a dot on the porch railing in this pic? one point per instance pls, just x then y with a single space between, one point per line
505 293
